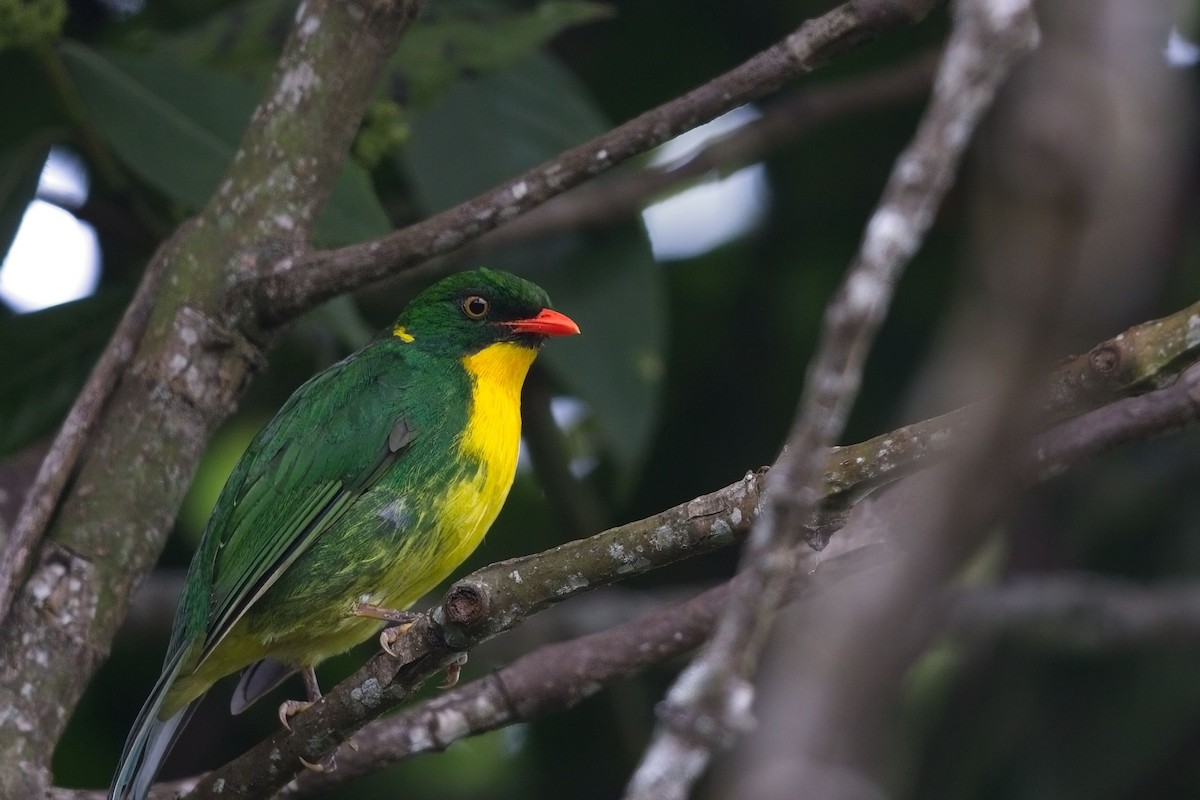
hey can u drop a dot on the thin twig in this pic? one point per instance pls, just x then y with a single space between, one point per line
1079 612
297 284
602 204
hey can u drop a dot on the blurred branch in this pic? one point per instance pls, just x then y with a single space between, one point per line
297 284
614 201
1150 355
1032 224
710 702
1082 612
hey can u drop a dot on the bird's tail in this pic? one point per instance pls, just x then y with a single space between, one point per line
150 740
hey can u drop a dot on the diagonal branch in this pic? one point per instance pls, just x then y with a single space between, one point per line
784 120
297 284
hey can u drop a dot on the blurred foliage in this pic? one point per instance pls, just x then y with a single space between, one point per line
30 22
689 370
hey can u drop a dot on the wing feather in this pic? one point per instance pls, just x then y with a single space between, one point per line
330 442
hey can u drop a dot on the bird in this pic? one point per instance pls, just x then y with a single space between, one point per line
375 480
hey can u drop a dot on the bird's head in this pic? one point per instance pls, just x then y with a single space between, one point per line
469 311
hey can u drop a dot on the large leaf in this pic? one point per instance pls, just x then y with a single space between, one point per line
614 289
178 127
478 40
44 361
507 123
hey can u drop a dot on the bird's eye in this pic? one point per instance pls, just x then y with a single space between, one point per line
476 307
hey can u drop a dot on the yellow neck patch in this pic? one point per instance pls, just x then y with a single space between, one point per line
493 432
492 437
494 428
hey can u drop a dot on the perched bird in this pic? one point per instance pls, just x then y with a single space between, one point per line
374 481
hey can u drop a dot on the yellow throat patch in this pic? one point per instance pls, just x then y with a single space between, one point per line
494 428
492 438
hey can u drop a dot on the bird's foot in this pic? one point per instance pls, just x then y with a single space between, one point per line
453 672
290 708
389 636
326 764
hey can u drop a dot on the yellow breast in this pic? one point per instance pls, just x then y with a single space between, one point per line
492 439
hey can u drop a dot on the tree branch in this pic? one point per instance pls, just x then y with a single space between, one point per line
1081 612
1150 355
1032 229
610 202
297 284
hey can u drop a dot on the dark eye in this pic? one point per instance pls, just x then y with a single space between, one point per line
476 307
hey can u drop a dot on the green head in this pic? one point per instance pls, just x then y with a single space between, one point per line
466 312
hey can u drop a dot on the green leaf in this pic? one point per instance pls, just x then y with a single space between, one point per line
609 283
353 213
20 169
445 47
46 359
507 122
178 128
174 126
614 289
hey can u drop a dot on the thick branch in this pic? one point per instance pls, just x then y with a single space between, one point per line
296 285
184 376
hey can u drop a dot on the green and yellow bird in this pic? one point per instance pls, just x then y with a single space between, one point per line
374 481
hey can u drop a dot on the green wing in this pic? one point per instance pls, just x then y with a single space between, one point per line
329 443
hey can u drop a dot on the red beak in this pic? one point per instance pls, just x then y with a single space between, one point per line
548 322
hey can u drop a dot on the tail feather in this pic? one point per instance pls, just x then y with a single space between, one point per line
150 740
